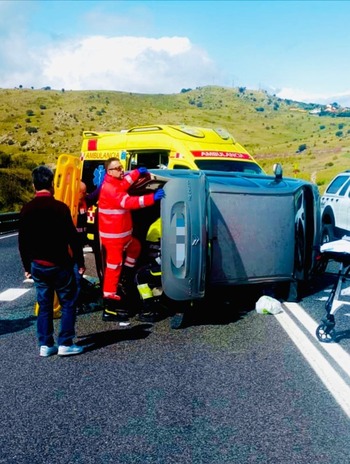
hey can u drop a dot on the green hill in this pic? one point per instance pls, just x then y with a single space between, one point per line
38 125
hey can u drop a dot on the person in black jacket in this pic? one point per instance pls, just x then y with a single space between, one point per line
49 246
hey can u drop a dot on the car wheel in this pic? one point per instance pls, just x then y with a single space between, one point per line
327 233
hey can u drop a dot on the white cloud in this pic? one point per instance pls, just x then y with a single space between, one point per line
299 95
131 64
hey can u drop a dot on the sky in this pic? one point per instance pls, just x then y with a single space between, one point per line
294 49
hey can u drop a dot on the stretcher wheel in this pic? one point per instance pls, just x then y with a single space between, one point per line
325 332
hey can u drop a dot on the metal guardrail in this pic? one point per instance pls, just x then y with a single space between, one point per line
8 222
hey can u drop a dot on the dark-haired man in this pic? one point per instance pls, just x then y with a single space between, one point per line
46 236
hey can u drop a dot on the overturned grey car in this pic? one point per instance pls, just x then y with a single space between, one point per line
228 229
220 230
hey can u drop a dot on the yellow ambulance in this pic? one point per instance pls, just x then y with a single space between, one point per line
168 147
162 146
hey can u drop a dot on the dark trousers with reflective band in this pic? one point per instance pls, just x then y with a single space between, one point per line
47 280
151 275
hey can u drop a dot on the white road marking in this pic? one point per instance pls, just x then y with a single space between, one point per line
7 236
311 349
12 293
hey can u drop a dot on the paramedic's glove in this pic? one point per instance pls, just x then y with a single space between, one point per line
142 171
159 194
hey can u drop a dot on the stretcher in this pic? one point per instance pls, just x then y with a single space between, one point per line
338 251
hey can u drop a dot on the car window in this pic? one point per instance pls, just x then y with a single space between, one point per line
337 183
229 166
344 188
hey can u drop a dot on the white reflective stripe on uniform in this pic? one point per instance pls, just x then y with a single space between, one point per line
128 178
129 262
112 211
112 266
122 235
125 197
127 244
108 294
142 201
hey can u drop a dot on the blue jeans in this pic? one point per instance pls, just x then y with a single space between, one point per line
47 280
78 278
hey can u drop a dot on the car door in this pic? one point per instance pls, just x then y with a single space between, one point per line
184 244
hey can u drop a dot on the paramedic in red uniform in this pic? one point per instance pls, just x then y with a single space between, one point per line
115 230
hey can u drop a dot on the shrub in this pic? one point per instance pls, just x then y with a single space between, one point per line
5 160
31 130
15 188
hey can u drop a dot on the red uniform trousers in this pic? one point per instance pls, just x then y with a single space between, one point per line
118 251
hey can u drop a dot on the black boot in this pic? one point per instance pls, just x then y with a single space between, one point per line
127 289
149 311
114 311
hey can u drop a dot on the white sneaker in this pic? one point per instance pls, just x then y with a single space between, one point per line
48 350
69 350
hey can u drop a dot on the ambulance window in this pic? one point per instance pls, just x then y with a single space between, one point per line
180 166
151 159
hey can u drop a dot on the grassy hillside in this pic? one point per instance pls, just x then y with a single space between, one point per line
38 125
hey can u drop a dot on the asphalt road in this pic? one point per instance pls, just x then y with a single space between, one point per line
231 387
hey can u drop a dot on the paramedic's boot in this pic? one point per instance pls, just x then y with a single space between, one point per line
114 310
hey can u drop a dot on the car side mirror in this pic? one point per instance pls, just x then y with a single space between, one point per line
278 171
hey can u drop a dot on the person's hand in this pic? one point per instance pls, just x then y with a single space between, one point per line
81 270
159 194
27 275
142 171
